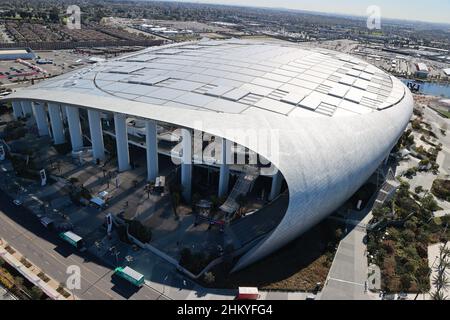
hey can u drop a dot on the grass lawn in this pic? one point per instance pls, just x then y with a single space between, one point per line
444 114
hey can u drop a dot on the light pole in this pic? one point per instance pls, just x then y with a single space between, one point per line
164 283
115 253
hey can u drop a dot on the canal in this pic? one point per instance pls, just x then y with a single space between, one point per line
435 89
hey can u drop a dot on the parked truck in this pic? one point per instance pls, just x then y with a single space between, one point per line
247 293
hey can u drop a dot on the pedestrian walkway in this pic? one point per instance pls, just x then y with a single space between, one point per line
5 294
347 279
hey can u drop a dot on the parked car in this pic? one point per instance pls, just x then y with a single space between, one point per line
402 296
47 222
17 202
63 227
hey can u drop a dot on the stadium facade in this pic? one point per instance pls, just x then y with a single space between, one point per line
336 117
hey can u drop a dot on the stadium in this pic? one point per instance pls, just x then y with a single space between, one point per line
319 122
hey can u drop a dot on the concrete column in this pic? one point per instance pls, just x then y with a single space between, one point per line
26 108
64 113
186 164
225 161
56 123
95 128
41 118
17 109
275 190
152 150
73 119
123 155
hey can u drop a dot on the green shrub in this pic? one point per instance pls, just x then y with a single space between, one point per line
209 278
36 293
441 189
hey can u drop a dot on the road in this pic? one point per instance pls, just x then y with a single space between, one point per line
21 229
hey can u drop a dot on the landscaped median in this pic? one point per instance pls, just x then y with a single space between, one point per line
52 288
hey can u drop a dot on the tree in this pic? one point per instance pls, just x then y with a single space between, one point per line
418 189
36 293
441 281
139 231
185 256
405 282
408 236
338 234
429 203
438 295
209 278
18 281
54 15
381 212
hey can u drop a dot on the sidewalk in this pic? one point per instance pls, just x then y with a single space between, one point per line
349 271
6 295
33 274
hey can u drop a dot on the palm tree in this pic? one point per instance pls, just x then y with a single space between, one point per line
422 287
441 280
438 295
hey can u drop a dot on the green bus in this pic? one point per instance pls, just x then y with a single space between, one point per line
74 239
130 275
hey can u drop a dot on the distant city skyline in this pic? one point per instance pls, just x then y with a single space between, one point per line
436 11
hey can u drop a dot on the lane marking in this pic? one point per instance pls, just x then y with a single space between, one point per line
345 281
49 253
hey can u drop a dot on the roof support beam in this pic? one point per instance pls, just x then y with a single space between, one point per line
152 150
41 118
186 164
225 161
17 109
56 123
26 107
95 128
275 190
73 119
123 155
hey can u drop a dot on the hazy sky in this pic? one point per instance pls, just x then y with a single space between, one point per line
423 10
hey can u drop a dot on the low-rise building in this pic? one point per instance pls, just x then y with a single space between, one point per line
422 70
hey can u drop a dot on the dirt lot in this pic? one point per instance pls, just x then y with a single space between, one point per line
297 267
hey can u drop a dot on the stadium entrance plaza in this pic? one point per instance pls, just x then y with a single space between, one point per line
127 197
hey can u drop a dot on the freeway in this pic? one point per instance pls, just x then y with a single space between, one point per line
23 231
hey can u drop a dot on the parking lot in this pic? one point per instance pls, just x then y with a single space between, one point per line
15 74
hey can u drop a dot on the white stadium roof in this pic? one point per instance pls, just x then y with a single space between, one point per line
235 77
336 117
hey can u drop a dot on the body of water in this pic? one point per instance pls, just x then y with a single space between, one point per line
435 89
